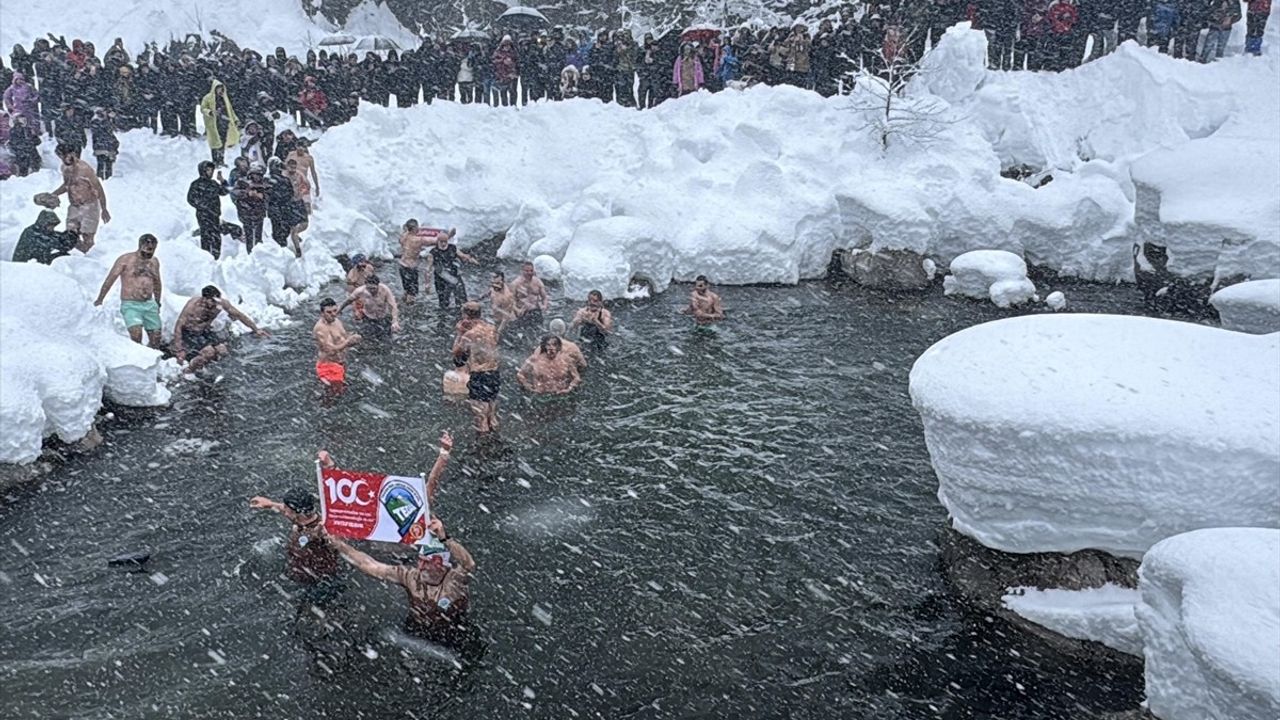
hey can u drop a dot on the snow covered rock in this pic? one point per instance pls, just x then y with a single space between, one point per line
60 355
889 269
547 267
1053 433
997 275
606 254
1104 614
1252 307
1210 623
1056 301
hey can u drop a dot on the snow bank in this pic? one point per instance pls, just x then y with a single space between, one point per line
1056 433
990 274
60 354
139 22
1210 621
1103 614
1252 307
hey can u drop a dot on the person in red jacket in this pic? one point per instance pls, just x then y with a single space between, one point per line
1257 25
313 102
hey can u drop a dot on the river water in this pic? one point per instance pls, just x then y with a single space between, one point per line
733 524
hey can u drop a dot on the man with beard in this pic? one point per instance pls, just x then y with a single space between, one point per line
84 189
140 290
192 333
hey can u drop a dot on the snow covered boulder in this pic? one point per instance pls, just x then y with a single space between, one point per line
1210 624
547 267
60 355
606 254
1055 433
889 269
997 275
1252 307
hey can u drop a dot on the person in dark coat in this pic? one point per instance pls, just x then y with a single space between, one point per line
42 243
106 146
205 195
24 143
251 204
603 61
282 204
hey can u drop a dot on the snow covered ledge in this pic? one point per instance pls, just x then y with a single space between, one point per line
1065 432
59 355
1210 624
1252 307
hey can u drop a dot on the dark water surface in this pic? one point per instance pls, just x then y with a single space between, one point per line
734 524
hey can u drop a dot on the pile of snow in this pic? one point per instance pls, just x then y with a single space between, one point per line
139 22
60 354
1252 307
1055 433
1210 623
1103 614
1056 301
990 274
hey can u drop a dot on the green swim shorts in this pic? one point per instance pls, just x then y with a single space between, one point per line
141 312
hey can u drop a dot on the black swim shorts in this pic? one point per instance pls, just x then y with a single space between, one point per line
195 341
409 280
483 386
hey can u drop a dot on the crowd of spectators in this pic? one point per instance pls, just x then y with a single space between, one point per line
66 89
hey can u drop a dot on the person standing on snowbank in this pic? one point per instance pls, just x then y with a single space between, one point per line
84 190
205 195
140 290
20 99
221 126
1256 25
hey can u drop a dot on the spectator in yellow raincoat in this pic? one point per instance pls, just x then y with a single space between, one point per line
221 126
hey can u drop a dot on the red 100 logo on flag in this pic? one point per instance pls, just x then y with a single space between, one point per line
350 502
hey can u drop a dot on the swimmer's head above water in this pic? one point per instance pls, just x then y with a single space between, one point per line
471 310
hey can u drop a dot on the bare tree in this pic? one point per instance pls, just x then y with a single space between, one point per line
884 103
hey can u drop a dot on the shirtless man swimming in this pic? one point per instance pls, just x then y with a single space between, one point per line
381 314
140 290
531 297
594 322
88 199
478 343
332 343
704 305
192 336
502 302
548 371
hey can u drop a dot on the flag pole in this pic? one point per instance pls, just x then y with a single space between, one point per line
320 487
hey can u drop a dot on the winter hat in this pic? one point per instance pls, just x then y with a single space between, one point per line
257 167
47 217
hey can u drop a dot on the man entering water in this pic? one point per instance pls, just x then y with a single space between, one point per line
379 312
478 342
332 343
192 335
140 290
310 557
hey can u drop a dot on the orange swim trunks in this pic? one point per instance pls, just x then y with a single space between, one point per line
331 372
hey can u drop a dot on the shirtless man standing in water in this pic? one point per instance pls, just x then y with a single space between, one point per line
332 343
140 290
704 305
88 199
478 343
548 371
379 311
502 302
531 298
411 244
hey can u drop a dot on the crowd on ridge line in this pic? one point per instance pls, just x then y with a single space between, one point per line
65 89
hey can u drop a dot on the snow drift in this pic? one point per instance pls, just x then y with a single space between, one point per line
1103 614
60 354
1210 623
1056 433
1252 307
